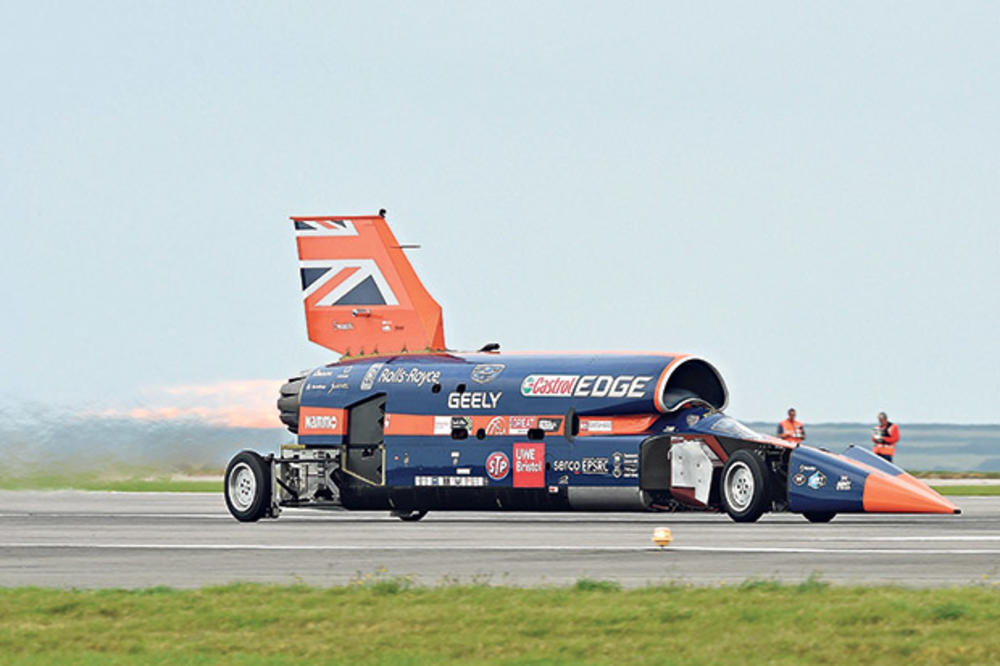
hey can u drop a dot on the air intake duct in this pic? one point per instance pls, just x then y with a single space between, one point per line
692 380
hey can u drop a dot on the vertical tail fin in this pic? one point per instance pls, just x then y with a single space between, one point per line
361 294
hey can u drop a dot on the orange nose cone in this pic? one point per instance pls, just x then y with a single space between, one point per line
890 494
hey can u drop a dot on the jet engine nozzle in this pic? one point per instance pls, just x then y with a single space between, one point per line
289 401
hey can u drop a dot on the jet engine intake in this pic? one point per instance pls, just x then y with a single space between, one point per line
692 380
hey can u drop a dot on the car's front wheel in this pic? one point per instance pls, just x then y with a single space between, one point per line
746 491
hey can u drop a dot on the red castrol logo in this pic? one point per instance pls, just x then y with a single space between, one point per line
585 386
555 386
497 465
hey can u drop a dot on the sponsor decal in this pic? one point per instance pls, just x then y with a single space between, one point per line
450 481
322 372
692 419
617 464
548 386
844 483
549 424
369 379
474 399
595 425
497 465
630 466
591 466
817 480
460 422
442 425
464 470
319 421
566 466
564 480
529 465
344 371
799 479
553 490
584 386
414 376
497 426
595 466
484 373
343 326
455 455
339 386
316 387
520 425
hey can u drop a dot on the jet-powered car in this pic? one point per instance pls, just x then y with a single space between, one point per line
402 423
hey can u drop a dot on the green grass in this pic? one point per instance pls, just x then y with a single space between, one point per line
967 490
940 474
137 483
388 621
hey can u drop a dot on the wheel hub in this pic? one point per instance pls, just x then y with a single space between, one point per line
242 487
739 486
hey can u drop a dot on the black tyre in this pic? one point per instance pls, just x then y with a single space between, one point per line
248 486
746 487
819 516
410 516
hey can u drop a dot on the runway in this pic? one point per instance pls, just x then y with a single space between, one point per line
94 539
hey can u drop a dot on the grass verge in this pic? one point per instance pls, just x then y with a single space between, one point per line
387 621
941 474
130 484
967 490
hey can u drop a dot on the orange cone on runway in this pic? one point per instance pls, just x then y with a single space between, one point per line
888 494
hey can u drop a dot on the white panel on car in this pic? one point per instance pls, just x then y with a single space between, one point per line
690 467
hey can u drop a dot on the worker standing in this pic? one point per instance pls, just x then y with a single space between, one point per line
791 430
885 435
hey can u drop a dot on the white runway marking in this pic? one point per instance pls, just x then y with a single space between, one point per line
459 547
955 537
46 514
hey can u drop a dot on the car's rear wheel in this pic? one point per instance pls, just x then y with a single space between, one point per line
248 486
410 516
746 488
819 516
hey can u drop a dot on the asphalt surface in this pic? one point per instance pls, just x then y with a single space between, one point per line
92 539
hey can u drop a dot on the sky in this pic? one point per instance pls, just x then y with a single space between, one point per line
806 194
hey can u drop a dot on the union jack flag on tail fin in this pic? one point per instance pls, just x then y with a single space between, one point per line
361 294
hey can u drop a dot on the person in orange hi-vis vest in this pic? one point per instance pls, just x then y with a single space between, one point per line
885 435
791 430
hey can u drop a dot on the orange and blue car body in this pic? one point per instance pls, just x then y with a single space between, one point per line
401 423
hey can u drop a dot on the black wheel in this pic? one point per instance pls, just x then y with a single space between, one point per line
248 486
746 488
410 516
819 516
